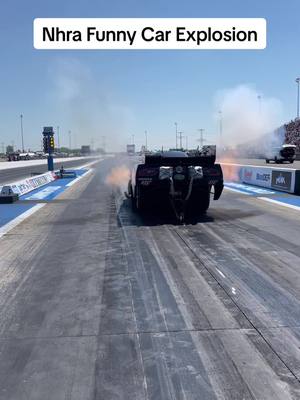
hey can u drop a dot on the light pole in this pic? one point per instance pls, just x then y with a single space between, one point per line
132 136
201 140
298 81
176 132
180 139
22 135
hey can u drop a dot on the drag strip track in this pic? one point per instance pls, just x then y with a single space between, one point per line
101 303
214 307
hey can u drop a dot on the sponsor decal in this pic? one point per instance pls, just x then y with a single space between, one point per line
211 171
263 177
29 184
257 176
281 180
248 174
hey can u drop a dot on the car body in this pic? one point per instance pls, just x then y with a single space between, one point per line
286 152
177 178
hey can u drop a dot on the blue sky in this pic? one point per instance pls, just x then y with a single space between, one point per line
120 93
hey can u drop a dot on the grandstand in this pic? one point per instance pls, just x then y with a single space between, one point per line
288 133
292 133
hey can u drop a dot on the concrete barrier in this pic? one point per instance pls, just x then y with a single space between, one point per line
27 185
282 179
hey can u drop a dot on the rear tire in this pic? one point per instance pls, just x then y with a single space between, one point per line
133 204
204 204
267 161
199 204
140 202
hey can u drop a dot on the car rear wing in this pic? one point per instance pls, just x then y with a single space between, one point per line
204 157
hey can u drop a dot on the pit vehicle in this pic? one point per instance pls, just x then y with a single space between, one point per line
287 152
130 149
180 179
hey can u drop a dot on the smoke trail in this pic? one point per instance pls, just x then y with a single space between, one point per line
118 176
248 119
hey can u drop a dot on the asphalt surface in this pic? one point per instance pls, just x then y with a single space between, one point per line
13 174
100 303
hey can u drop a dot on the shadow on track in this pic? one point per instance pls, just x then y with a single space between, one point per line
164 216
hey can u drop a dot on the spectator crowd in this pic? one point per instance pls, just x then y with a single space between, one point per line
292 133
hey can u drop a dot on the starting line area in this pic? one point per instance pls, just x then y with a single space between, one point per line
12 214
272 196
27 203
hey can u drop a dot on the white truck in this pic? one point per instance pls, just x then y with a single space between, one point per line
131 149
287 152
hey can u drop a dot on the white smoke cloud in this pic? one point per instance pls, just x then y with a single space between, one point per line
248 116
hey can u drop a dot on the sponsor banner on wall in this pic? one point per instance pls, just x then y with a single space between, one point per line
29 184
259 176
282 180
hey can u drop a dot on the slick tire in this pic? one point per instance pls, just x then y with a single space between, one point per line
133 204
204 203
200 203
140 202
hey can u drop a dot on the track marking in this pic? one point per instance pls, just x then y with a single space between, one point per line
280 203
42 194
234 300
236 190
221 273
246 188
12 224
89 164
16 221
78 178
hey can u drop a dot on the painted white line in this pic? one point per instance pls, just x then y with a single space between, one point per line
221 273
280 203
12 224
236 190
89 164
233 290
79 177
